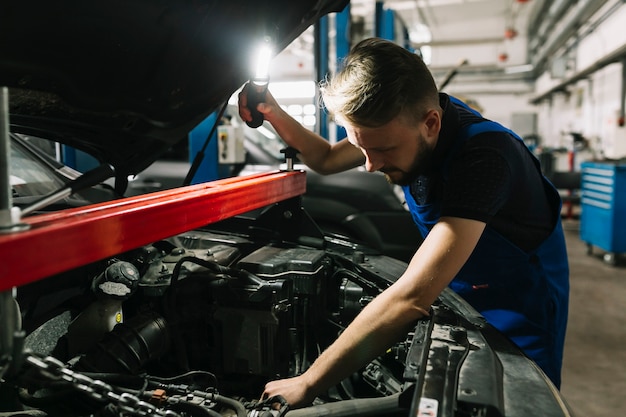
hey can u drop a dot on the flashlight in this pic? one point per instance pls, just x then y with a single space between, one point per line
258 85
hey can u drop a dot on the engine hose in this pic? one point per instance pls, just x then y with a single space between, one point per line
129 346
239 408
236 405
216 269
210 265
188 378
361 407
193 410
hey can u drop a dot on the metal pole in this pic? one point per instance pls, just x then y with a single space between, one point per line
622 106
5 154
10 323
9 221
321 51
9 216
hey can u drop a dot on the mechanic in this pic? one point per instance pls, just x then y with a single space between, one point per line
491 221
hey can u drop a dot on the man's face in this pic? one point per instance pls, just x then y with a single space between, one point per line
401 149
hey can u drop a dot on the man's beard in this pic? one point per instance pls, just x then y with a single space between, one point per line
421 164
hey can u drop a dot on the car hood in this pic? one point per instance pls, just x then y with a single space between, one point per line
124 80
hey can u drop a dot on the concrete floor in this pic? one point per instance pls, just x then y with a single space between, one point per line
594 369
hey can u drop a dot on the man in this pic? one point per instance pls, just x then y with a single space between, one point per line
491 221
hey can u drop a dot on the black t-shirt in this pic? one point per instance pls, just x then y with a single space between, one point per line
492 178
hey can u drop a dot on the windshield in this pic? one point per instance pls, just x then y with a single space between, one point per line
30 176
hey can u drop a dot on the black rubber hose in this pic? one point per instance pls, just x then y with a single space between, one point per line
239 408
361 407
193 410
236 405
129 346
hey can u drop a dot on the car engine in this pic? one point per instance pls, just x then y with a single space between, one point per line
197 324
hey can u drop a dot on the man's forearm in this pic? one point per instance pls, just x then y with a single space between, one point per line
312 147
315 151
383 322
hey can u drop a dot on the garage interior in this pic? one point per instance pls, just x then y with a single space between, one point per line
563 75
555 71
552 71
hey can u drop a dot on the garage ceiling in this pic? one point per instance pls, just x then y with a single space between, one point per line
478 32
456 30
455 21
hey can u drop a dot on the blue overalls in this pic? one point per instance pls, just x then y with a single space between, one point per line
522 294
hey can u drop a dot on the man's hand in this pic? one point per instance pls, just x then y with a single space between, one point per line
316 152
294 390
266 108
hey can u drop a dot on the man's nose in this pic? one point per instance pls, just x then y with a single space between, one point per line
372 164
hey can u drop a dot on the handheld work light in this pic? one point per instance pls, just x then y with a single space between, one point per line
258 84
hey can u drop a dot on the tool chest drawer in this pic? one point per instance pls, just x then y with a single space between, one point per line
603 206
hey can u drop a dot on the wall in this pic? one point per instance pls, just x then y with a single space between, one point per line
589 106
498 107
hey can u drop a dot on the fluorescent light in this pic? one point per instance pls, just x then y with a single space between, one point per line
294 109
309 120
293 89
516 69
309 109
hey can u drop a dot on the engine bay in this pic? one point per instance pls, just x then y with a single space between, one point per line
201 316
198 323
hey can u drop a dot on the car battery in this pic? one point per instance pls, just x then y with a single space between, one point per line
603 207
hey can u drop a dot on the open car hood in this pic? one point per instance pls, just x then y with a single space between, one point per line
124 80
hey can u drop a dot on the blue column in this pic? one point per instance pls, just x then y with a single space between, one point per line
209 168
342 41
342 47
406 39
68 156
384 22
79 160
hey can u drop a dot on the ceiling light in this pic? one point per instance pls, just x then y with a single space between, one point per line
293 89
516 69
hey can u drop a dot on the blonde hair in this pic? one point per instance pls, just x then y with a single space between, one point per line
380 80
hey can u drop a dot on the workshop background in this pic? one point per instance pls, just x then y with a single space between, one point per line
553 71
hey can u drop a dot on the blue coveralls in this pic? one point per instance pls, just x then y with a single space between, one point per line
522 294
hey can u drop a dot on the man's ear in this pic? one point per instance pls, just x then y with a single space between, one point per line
432 121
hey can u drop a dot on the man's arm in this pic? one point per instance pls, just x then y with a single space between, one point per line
316 152
390 315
